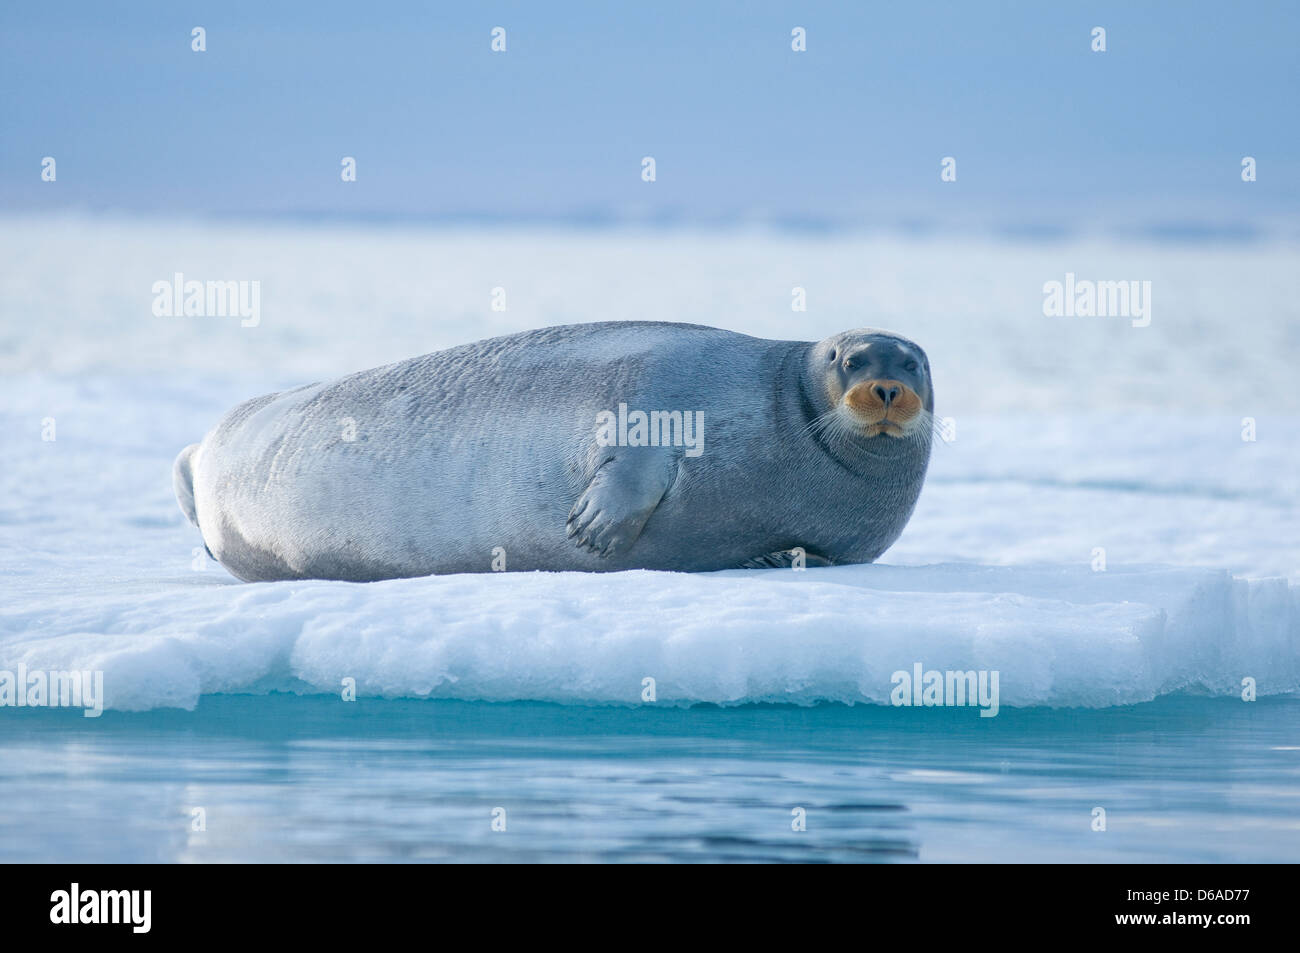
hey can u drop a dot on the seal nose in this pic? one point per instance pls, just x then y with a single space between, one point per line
887 394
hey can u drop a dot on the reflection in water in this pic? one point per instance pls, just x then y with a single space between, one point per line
290 778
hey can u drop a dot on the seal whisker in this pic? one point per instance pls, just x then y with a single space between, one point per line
930 426
841 434
818 424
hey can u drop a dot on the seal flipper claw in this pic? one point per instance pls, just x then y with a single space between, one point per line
784 559
613 509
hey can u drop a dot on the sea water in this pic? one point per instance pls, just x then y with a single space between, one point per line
284 778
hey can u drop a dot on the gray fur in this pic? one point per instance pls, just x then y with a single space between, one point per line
493 444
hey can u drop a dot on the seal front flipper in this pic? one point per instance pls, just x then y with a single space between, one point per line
784 559
613 509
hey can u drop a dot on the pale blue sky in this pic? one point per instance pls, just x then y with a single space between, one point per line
1046 133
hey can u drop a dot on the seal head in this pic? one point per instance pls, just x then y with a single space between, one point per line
871 384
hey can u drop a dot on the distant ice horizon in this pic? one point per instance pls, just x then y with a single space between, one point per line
1139 224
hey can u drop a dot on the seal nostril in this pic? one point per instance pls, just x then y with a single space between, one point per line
886 395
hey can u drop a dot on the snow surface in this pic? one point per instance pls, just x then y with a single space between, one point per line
1057 637
1071 437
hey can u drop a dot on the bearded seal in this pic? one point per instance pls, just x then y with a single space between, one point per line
597 447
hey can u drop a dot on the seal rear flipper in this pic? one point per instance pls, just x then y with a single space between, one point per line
784 559
183 482
612 511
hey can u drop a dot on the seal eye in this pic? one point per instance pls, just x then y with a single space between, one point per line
911 365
